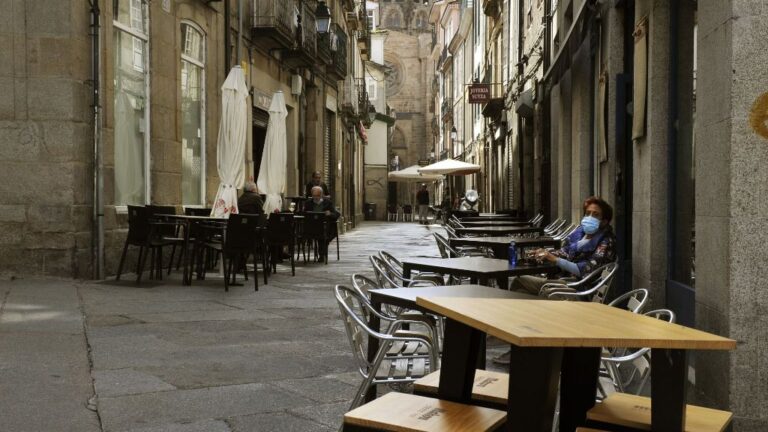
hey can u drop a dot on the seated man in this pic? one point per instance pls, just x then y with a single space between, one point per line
324 205
592 245
250 201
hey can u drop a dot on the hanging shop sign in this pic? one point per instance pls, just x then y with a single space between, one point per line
479 93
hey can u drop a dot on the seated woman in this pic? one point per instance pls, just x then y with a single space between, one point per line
592 245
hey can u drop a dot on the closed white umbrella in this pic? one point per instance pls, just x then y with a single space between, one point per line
450 167
411 174
274 165
231 143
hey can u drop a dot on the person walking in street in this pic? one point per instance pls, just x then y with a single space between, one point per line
422 199
317 181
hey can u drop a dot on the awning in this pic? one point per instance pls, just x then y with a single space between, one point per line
412 174
450 167
576 35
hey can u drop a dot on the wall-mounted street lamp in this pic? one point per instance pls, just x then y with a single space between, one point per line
371 113
322 17
454 134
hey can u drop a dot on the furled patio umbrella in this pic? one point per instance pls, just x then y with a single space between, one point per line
231 143
450 167
411 174
274 165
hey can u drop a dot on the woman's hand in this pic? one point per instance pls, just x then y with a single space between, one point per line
545 255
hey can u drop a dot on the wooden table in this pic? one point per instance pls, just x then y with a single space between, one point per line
478 269
560 340
503 223
188 221
499 230
406 298
500 245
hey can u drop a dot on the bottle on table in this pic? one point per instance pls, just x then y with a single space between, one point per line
512 254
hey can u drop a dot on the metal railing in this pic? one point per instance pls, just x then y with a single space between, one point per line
446 109
339 56
349 98
308 37
276 16
363 103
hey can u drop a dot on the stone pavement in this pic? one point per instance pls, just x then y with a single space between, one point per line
113 356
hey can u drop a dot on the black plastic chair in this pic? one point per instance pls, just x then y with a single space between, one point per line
147 235
195 211
239 239
171 230
281 231
317 229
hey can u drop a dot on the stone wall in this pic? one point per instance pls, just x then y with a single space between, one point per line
732 206
45 138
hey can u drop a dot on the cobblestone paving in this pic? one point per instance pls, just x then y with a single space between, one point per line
168 357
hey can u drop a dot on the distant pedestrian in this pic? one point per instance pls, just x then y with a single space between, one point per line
422 198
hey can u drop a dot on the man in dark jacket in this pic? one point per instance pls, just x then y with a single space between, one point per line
250 201
320 204
316 181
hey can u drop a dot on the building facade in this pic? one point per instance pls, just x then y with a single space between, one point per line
656 106
117 103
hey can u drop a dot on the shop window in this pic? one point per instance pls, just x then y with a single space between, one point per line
131 102
192 115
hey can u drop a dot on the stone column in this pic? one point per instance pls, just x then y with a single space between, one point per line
732 206
649 212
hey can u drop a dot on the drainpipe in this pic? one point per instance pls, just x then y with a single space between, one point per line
520 73
227 36
97 237
239 28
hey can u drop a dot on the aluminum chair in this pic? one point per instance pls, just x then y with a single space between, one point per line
552 224
555 227
392 213
633 301
566 232
402 357
396 266
594 287
362 284
387 278
626 368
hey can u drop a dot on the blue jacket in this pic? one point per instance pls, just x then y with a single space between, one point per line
598 251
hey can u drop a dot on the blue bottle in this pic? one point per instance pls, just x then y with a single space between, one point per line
512 254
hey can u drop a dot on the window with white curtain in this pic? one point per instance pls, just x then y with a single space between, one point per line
131 84
192 115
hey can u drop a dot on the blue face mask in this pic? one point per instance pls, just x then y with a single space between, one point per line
590 224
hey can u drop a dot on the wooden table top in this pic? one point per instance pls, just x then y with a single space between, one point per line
505 223
464 291
551 323
481 266
500 230
504 241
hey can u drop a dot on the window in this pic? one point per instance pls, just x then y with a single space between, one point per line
131 120
371 87
192 115
371 19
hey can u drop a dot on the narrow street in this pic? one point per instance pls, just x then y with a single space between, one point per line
167 357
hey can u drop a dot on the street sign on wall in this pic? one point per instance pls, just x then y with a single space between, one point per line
479 93
423 162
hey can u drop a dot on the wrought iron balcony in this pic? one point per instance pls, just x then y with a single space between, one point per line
274 24
325 48
447 108
304 53
339 55
349 98
364 33
363 103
